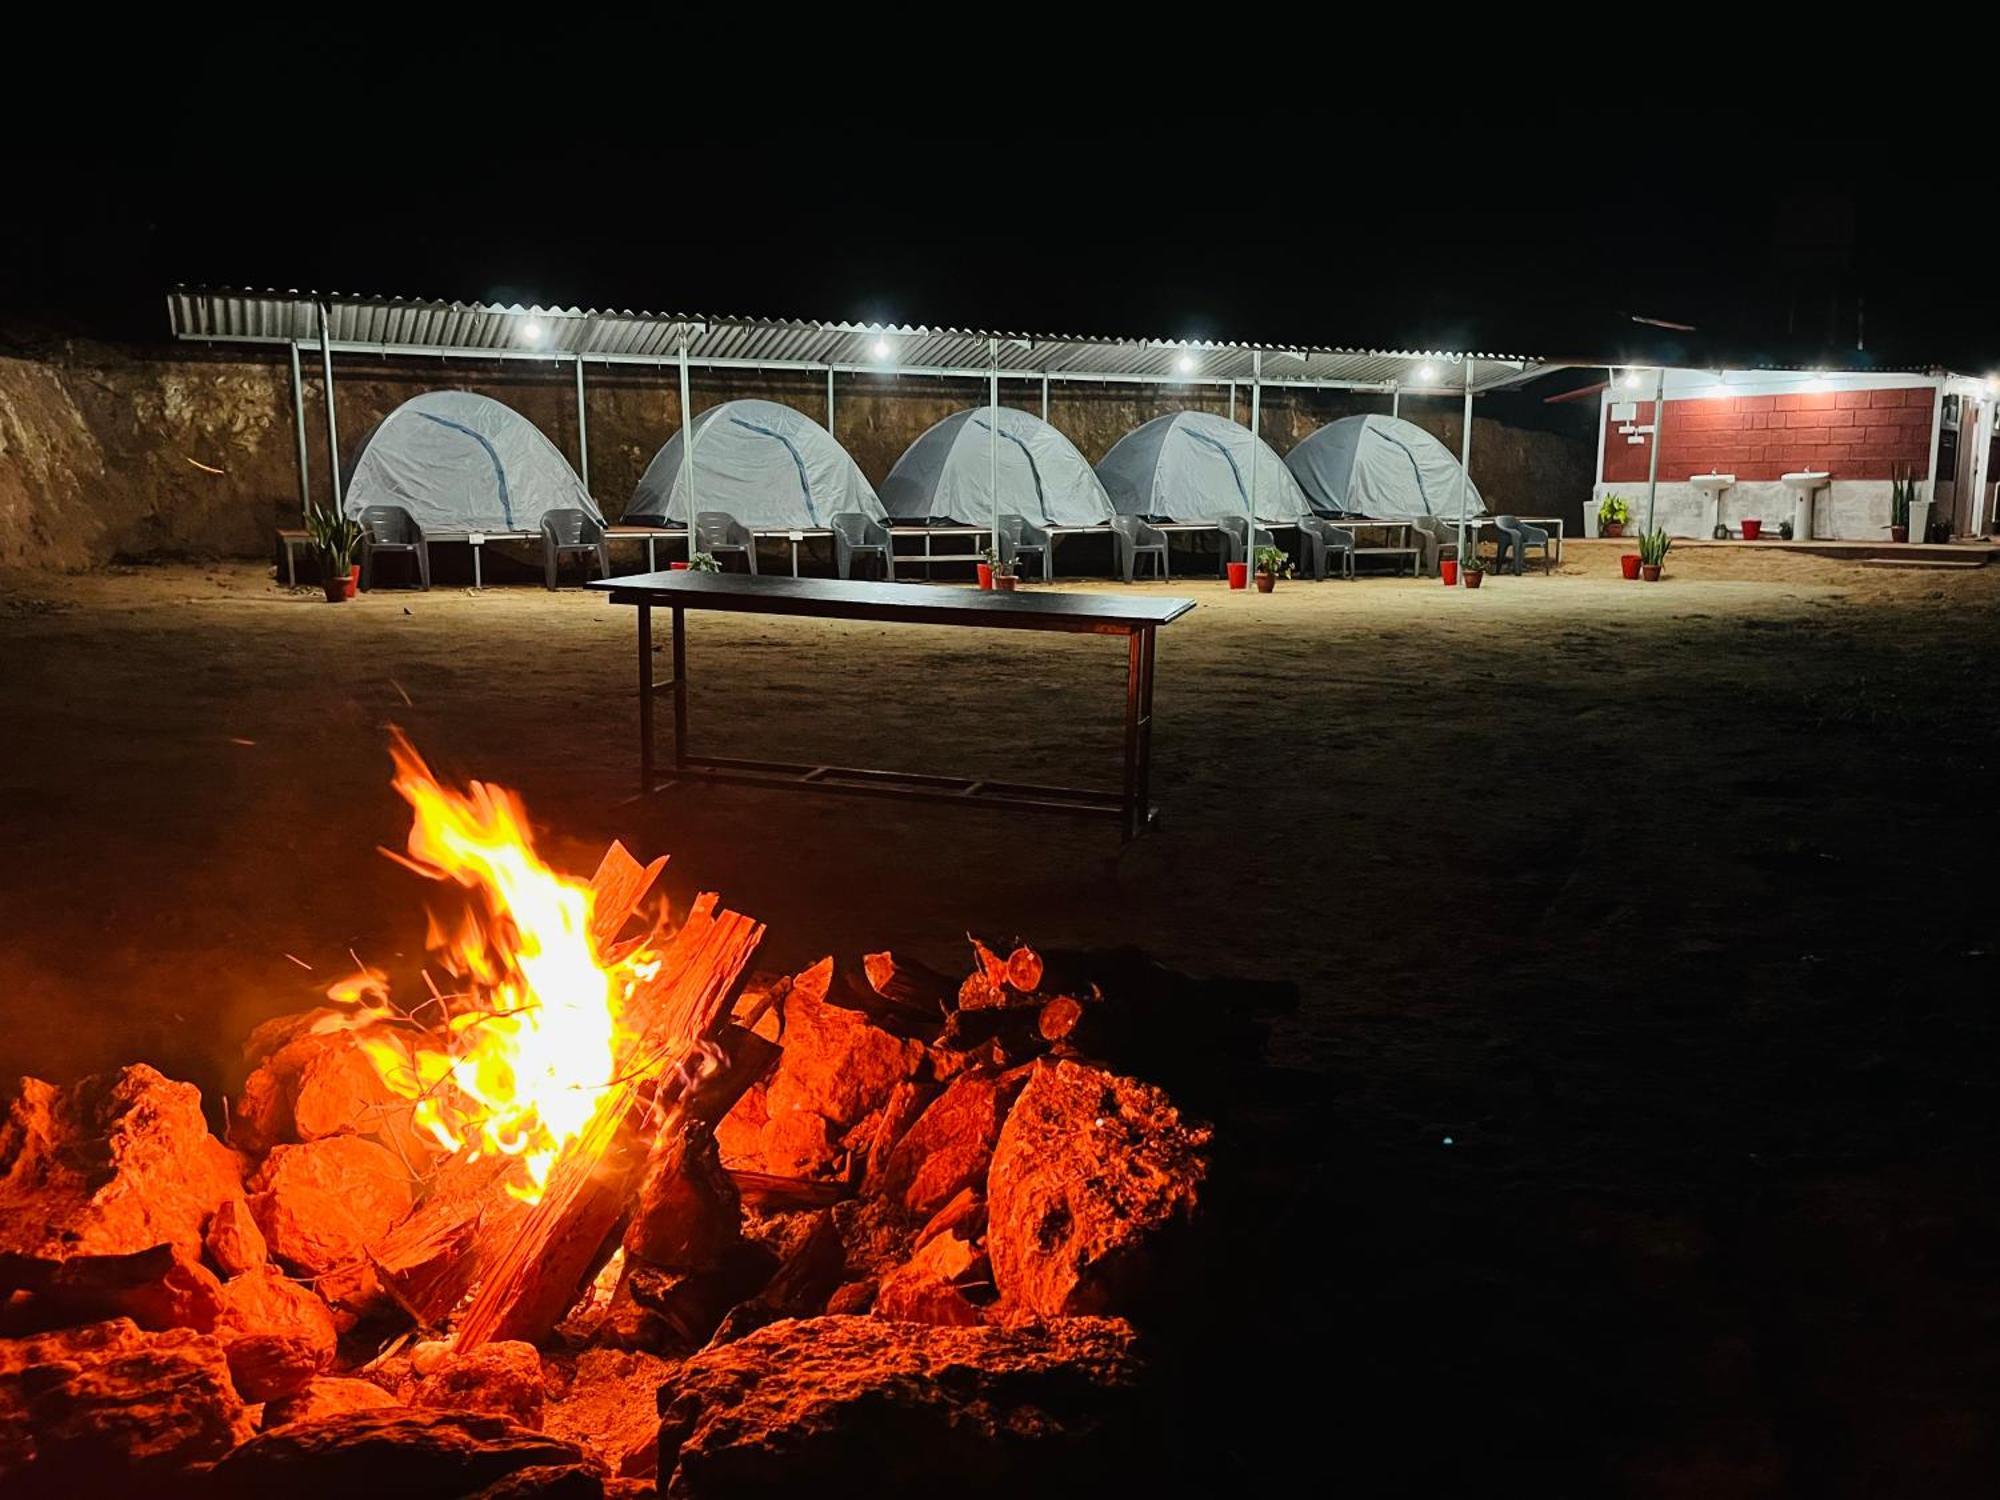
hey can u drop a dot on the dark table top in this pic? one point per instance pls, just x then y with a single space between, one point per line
908 603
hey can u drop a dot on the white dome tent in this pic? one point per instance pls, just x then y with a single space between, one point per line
1383 467
949 473
761 462
1195 466
462 462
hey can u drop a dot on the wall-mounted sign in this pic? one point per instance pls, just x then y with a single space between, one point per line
1624 411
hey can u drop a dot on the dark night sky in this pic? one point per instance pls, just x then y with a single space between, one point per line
1545 233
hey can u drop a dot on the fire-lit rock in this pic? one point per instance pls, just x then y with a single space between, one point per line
311 1079
413 1455
949 1146
546 1482
234 1242
1093 1178
117 1163
326 1396
278 1335
160 1288
322 1204
928 1288
838 1070
862 1406
502 1379
103 1408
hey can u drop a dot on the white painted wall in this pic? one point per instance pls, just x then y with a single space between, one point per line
1847 510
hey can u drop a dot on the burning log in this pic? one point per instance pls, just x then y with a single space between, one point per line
689 1213
537 1274
428 1262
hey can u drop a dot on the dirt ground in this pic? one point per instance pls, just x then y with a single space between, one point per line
1645 938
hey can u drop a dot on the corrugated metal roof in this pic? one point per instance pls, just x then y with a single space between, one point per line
393 325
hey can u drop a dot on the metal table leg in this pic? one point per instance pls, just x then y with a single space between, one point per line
680 689
1135 658
645 698
476 581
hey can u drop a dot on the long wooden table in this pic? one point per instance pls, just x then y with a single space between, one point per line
1135 617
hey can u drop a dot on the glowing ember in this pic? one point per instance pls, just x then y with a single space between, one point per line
530 1038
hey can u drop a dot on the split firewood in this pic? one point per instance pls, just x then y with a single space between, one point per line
429 1261
897 992
689 1215
799 1288
542 1267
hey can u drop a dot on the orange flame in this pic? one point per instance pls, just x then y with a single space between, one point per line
530 1039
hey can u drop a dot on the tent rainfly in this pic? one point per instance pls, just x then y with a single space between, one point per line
1383 467
947 474
457 461
1195 466
765 464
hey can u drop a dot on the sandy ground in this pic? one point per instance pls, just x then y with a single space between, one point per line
1645 938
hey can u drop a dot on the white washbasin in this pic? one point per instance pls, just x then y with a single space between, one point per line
1804 483
1715 484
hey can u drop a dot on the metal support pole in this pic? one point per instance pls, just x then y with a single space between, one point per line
332 428
1465 460
1659 429
1937 438
1396 400
829 398
1045 398
299 425
582 432
1232 401
687 450
993 440
1256 420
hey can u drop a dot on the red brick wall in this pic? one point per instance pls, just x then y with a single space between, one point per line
1850 434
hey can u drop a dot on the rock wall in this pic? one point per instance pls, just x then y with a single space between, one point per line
111 452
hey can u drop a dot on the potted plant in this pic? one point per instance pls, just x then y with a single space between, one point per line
1653 549
1272 564
1472 569
1005 580
334 538
704 562
1902 491
989 560
1785 531
1612 514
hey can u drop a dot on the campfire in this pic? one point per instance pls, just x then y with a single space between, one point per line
586 1197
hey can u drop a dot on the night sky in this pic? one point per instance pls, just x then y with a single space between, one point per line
1547 233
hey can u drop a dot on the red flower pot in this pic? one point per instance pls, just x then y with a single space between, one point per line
1006 583
1752 529
1899 533
353 581
1650 572
1611 528
1266 582
1448 571
1629 565
985 574
1473 580
678 567
1239 575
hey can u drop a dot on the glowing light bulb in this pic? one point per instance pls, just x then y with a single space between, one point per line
531 331
880 348
1632 380
1426 374
1185 364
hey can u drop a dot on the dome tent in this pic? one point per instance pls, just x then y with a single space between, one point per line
765 464
947 473
1195 466
1384 467
458 461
